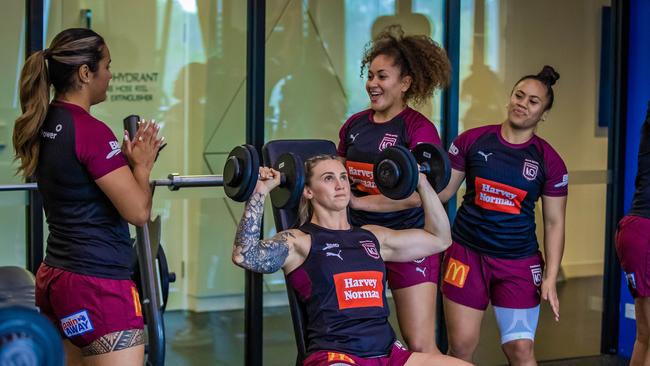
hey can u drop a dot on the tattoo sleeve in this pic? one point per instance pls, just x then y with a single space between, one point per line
263 256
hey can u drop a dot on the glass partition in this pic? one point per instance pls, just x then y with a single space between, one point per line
182 63
313 84
502 41
12 204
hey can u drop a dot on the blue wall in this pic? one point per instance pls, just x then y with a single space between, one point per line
638 93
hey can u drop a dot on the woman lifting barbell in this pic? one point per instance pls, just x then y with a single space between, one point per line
338 269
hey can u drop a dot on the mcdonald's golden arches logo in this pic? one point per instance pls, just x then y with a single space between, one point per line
456 273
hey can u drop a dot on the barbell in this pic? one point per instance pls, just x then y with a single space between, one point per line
395 173
241 172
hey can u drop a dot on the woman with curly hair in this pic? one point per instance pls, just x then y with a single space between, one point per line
401 70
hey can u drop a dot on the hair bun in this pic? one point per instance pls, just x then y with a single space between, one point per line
548 75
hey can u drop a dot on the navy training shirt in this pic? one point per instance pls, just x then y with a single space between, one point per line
342 284
641 200
361 140
87 234
503 183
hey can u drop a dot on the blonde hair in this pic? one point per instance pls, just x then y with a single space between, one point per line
305 208
57 67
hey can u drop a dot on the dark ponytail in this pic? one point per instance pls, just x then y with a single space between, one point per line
55 66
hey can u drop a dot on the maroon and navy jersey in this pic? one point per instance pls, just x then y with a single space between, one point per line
342 285
641 201
361 140
503 183
87 234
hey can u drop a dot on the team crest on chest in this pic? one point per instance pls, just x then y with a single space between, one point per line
370 248
531 167
388 141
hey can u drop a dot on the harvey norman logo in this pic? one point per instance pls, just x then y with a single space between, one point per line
495 196
361 174
359 289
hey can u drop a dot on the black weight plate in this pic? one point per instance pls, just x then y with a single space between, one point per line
240 172
165 277
437 160
28 338
395 173
287 194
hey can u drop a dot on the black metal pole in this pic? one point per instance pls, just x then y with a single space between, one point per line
449 125
616 173
450 95
152 312
34 209
34 32
255 136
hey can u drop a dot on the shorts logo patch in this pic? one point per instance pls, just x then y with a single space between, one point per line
388 141
370 248
361 289
136 301
335 356
76 324
495 196
631 279
531 167
422 270
536 271
456 273
362 176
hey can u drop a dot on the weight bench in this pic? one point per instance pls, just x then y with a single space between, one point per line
287 218
26 336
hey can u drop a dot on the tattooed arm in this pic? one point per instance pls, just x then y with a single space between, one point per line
249 252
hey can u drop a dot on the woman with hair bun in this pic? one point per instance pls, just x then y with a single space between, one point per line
401 70
91 188
495 255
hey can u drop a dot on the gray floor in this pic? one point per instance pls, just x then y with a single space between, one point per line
216 338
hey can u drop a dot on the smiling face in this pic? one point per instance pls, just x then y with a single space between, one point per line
527 104
328 185
386 87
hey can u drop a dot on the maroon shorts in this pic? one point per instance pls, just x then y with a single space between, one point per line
397 357
633 248
85 308
474 280
407 274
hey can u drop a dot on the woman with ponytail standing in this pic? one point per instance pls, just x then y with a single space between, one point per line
494 256
91 188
